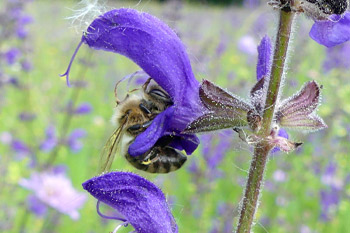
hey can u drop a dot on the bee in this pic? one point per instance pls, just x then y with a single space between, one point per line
322 9
133 116
316 9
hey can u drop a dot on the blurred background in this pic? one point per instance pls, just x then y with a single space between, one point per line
44 123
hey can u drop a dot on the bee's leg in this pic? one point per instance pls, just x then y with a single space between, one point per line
138 128
145 85
151 156
145 109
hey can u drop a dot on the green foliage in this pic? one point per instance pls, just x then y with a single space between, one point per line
285 206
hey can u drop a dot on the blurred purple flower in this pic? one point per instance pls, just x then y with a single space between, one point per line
193 167
84 108
56 191
26 65
220 150
226 213
337 57
222 46
329 201
263 67
26 116
36 206
153 46
73 140
279 176
21 149
12 55
281 133
251 3
247 45
332 32
329 177
137 200
22 21
50 141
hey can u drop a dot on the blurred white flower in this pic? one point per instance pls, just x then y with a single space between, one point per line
56 190
279 176
247 45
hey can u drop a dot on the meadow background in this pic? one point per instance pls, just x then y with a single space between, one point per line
42 121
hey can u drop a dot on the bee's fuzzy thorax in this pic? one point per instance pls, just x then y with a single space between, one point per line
131 102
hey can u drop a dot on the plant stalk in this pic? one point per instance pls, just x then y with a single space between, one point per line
262 149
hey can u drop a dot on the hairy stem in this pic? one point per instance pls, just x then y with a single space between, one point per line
278 67
261 151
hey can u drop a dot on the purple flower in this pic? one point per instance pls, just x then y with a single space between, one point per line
217 153
263 66
279 176
73 140
56 191
26 65
138 201
12 55
153 46
329 200
26 116
84 108
20 148
337 57
51 140
36 206
21 31
226 110
251 3
332 32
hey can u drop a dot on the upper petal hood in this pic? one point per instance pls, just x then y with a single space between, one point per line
332 32
149 43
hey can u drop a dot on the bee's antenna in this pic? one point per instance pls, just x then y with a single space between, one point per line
115 92
145 85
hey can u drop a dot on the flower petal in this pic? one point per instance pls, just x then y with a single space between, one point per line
147 139
298 111
213 121
217 99
149 43
304 102
332 32
141 202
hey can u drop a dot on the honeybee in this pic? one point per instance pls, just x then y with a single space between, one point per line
322 9
132 116
316 9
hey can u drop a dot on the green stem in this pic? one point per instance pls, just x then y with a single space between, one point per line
24 220
278 67
67 120
261 150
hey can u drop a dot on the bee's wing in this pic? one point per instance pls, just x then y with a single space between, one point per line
109 150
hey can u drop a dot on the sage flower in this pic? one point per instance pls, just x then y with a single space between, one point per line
137 201
225 110
153 46
333 31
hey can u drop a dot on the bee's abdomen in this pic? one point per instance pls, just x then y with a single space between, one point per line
158 160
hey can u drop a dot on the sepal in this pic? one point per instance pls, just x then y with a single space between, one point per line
298 111
225 110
